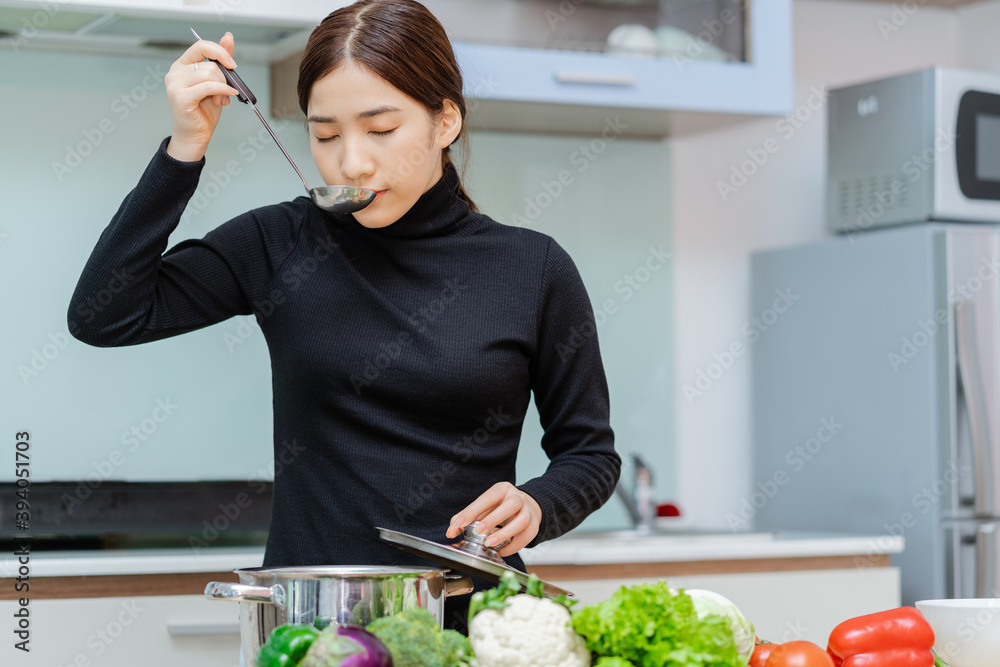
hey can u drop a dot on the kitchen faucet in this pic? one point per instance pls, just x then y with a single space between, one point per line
639 501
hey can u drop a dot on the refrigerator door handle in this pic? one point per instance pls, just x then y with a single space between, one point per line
981 420
987 539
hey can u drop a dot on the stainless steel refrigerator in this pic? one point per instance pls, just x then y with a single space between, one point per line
876 398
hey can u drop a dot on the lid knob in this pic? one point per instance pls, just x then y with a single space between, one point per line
475 544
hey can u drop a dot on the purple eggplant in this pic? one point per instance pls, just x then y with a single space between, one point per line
346 646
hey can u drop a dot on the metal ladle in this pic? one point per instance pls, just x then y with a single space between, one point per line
333 198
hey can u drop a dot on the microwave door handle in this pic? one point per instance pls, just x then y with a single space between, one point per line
983 441
987 564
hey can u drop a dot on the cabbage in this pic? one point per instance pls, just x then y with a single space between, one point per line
707 602
650 625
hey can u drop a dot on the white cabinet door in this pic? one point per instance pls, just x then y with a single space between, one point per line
152 631
762 85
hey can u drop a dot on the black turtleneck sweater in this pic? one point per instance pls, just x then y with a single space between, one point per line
402 358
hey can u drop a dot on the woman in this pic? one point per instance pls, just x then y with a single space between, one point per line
405 339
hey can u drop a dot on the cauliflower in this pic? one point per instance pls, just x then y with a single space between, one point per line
528 632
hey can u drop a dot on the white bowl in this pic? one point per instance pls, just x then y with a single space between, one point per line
633 40
966 632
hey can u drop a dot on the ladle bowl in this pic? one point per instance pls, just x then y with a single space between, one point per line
341 198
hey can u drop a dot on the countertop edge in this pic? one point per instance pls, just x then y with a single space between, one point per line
591 552
134 561
574 551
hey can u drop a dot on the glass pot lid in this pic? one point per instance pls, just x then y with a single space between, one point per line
472 556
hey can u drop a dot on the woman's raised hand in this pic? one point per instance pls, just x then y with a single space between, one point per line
503 504
196 92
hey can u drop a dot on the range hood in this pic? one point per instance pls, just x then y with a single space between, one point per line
264 31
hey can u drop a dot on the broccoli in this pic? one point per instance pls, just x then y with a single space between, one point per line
455 648
415 639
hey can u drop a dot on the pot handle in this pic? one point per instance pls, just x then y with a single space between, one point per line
457 584
224 590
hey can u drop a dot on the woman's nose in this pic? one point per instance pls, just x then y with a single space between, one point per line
356 161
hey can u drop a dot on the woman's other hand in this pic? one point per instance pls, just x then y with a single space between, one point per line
502 505
197 95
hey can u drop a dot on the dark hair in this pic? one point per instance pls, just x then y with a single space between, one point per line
401 42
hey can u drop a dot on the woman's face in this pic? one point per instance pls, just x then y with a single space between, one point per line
366 133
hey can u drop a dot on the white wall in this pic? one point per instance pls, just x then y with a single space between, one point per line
80 130
836 43
610 239
978 25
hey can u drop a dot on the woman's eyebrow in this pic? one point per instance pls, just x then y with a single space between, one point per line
371 113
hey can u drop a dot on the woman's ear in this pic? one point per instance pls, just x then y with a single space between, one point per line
449 124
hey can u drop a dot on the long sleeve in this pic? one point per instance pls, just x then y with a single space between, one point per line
131 292
571 394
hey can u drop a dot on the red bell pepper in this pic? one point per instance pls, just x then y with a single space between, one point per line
894 638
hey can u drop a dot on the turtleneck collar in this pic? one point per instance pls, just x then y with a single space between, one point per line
436 213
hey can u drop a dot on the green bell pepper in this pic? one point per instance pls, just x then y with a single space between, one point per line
286 646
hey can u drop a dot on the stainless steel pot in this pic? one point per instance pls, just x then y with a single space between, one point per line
270 597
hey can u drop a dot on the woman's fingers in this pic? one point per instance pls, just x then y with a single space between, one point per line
199 91
523 536
196 92
524 520
517 513
510 530
206 80
477 509
204 48
228 42
191 68
500 516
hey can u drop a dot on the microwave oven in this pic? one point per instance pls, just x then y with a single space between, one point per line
918 147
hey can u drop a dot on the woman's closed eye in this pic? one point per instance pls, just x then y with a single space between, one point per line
382 133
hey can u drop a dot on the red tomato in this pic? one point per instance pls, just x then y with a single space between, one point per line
798 654
761 653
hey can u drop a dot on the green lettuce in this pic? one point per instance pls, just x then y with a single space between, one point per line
649 625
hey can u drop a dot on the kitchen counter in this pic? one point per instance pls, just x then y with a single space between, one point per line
93 573
101 562
625 554
164 571
584 548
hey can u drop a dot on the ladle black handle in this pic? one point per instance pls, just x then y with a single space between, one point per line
233 79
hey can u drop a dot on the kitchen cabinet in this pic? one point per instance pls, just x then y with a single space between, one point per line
121 608
529 65
125 631
533 89
265 30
